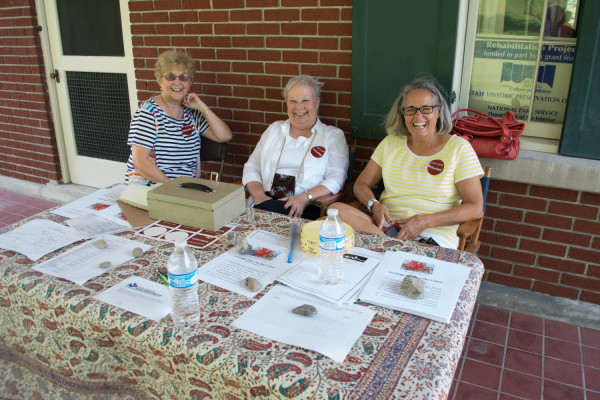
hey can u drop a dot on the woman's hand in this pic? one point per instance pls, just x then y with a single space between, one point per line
296 204
218 130
381 213
193 101
412 226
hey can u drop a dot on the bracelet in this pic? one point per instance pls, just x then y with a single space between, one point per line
206 112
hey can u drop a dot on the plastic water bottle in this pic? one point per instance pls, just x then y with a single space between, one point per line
332 240
183 284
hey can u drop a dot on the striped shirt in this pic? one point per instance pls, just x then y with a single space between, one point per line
425 184
174 143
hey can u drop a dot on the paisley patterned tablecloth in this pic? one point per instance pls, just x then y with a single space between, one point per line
55 329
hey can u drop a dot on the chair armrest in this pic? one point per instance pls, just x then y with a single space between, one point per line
326 201
342 196
466 229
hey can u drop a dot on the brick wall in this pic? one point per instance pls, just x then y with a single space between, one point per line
247 49
542 239
28 148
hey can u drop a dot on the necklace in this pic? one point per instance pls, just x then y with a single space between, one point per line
177 113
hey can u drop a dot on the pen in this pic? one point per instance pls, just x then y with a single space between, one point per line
163 277
292 240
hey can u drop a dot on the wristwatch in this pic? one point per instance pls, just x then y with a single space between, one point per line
370 203
310 197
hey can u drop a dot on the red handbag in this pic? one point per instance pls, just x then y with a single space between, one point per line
490 137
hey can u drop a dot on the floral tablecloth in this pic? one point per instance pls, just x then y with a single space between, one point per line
55 329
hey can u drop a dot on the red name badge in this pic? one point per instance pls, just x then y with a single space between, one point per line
317 151
435 167
186 129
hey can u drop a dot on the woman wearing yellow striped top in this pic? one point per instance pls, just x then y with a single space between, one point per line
431 177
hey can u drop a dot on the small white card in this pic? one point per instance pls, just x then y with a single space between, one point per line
141 296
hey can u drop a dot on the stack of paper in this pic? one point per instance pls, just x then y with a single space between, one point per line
443 284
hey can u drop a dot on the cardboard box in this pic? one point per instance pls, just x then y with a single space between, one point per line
192 207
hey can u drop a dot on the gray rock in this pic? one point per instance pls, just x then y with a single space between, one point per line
100 243
104 265
243 247
252 284
137 252
306 309
413 287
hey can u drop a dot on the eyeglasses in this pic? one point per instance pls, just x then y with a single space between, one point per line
171 77
413 110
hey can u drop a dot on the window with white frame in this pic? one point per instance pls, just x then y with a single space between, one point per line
519 56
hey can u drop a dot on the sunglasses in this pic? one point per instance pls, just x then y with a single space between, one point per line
171 77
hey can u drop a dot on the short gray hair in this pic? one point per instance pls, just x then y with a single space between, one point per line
304 80
394 122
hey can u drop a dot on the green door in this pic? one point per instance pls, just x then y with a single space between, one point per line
392 42
581 132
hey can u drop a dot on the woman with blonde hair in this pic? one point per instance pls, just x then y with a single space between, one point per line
166 131
431 177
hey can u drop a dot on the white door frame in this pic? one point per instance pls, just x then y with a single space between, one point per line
74 168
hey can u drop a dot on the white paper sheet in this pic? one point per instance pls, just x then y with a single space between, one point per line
332 332
229 270
141 296
356 268
93 203
91 225
39 237
443 284
82 263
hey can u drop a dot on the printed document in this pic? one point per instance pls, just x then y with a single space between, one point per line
443 283
93 203
39 237
141 296
87 260
332 332
266 261
356 269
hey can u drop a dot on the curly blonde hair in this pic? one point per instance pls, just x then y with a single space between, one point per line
171 59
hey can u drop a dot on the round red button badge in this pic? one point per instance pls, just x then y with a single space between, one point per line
435 167
317 151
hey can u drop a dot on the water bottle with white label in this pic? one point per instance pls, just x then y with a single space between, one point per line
332 241
183 284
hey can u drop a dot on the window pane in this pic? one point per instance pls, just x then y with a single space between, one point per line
502 77
520 64
90 27
101 114
552 87
561 19
510 18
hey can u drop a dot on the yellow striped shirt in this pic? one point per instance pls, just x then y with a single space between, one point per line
415 184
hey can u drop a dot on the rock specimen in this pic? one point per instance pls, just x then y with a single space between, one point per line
305 309
243 247
413 287
137 252
104 264
252 284
100 243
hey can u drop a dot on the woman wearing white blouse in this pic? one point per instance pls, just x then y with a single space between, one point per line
298 160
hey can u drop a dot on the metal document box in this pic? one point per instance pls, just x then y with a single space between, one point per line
192 207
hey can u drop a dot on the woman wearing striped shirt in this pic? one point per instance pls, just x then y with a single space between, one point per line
166 130
431 177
